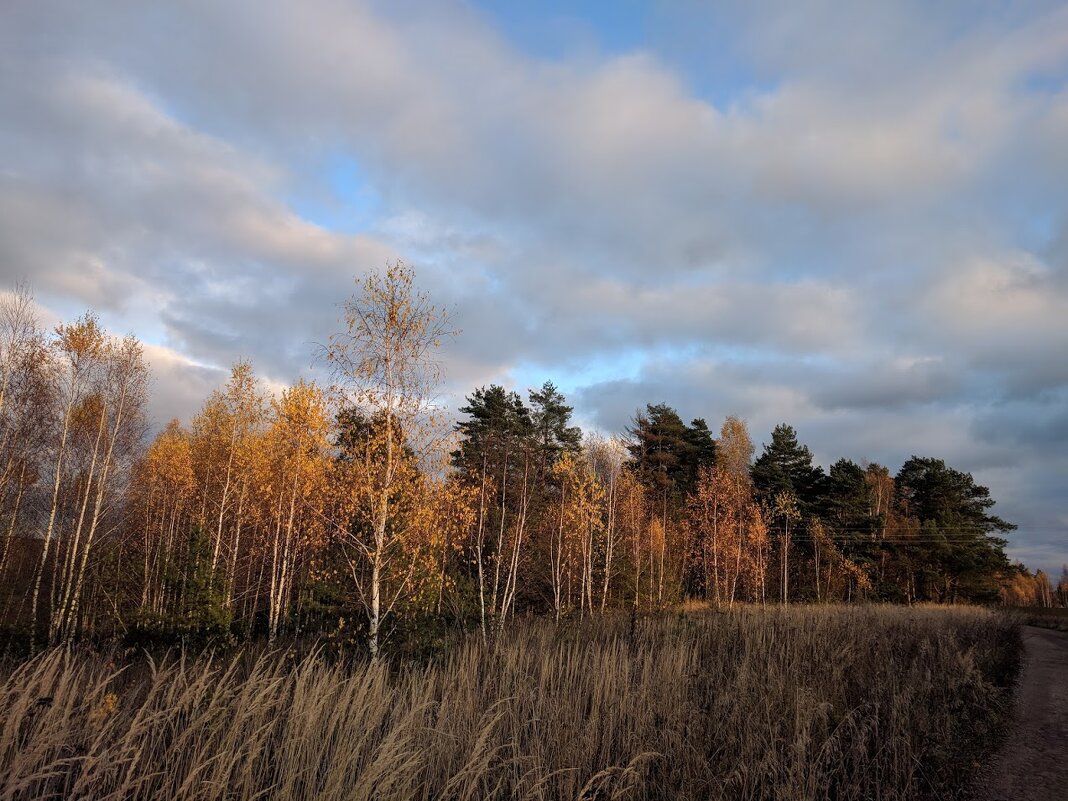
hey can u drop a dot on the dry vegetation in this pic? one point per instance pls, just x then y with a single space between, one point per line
1055 618
800 703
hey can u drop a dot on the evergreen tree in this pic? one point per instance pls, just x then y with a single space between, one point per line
498 425
786 466
959 554
847 498
550 415
848 509
702 451
666 454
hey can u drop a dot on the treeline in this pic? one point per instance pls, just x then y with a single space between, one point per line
352 510
1022 588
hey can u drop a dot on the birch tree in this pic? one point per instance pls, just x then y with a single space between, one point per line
164 484
293 484
26 404
118 409
786 512
76 353
384 363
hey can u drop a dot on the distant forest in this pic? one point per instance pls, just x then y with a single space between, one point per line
353 511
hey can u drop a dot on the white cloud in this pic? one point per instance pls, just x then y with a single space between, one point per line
849 244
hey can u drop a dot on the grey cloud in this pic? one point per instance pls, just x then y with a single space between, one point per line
178 385
847 245
888 386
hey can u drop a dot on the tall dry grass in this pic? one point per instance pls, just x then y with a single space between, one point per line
807 703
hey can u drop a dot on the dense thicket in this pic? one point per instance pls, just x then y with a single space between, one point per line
351 511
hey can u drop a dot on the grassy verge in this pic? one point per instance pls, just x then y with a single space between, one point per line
1056 619
804 703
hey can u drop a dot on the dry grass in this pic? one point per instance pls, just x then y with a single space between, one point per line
813 703
1055 618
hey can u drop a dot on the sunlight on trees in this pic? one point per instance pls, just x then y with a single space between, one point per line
353 511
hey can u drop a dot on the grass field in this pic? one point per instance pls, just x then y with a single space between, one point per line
1055 618
803 703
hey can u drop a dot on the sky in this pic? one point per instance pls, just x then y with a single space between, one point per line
851 217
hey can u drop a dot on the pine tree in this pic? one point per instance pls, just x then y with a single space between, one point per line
957 551
786 466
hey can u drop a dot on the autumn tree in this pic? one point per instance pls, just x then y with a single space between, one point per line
717 515
383 362
708 512
101 387
734 448
453 516
1019 587
579 522
27 400
160 501
759 549
607 458
747 537
76 353
274 513
293 479
631 516
226 440
667 456
19 337
786 512
509 449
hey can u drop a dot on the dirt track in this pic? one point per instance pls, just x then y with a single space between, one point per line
1033 763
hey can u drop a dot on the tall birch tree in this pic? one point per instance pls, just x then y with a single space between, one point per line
384 364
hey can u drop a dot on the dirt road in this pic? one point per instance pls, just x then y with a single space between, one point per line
1033 763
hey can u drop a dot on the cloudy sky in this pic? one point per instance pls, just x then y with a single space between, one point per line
852 217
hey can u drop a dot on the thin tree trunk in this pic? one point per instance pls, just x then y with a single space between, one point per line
49 530
98 506
9 538
479 542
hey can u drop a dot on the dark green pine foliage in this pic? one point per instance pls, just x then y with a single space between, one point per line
957 552
200 612
786 466
516 446
550 416
702 449
847 509
666 454
356 432
501 430
359 437
497 430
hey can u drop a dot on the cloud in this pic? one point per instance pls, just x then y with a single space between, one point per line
863 234
179 385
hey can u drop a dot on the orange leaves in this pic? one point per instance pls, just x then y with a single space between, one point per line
295 456
453 511
82 340
383 361
169 461
384 368
583 494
